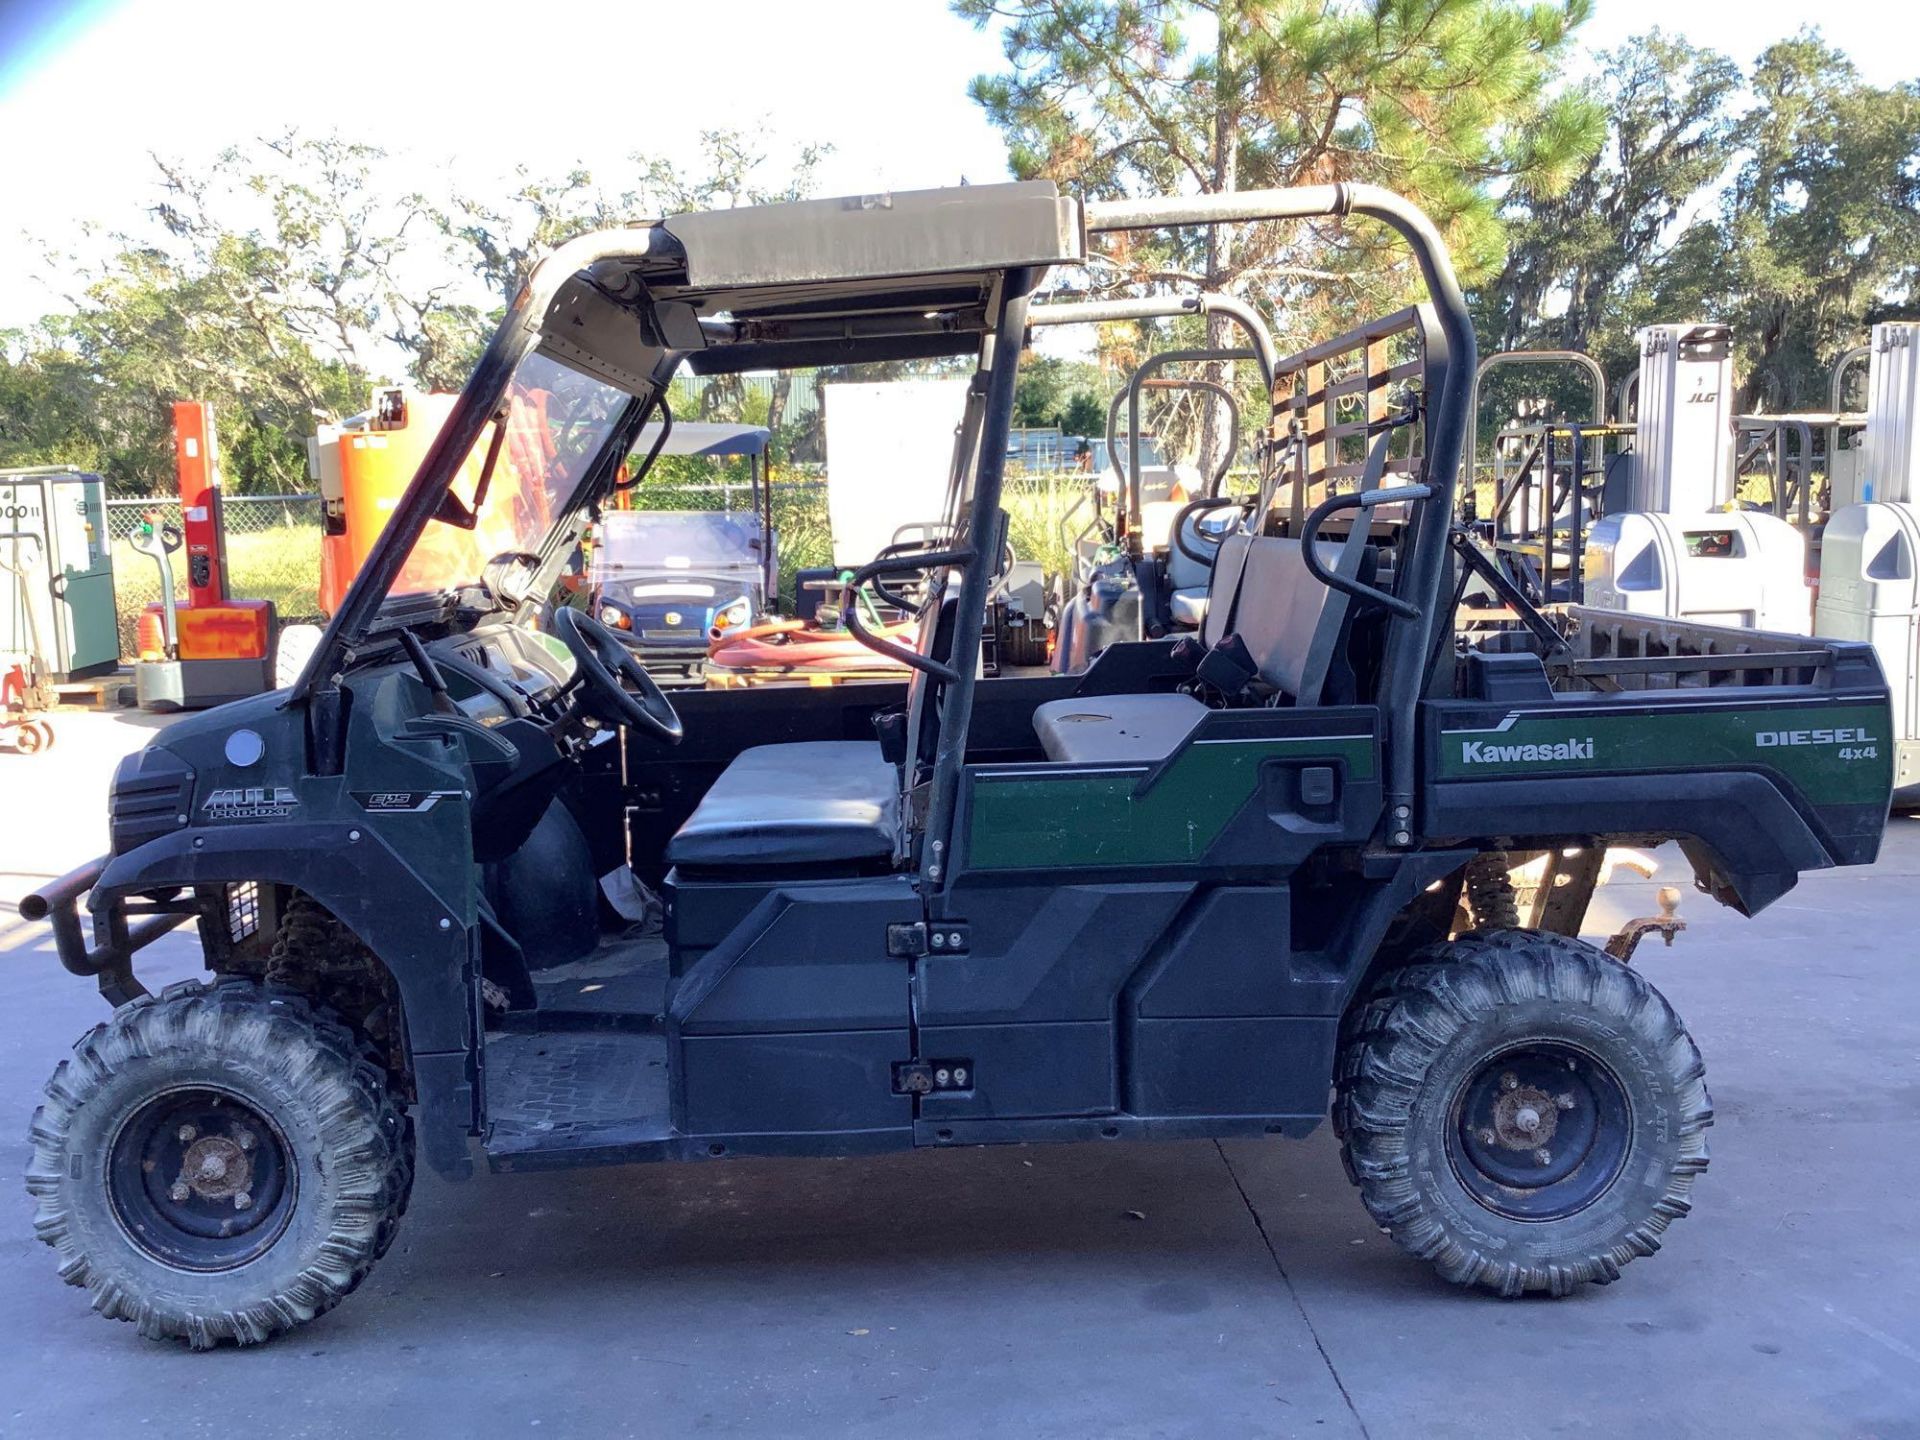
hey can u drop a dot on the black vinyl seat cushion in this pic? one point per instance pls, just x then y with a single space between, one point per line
813 802
1115 729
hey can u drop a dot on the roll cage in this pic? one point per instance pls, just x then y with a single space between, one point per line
907 276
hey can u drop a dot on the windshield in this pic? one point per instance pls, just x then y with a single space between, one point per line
556 422
640 542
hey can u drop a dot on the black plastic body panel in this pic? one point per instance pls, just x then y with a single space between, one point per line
1207 966
1251 1065
1022 1071
544 893
806 956
1043 953
827 1083
151 796
1761 843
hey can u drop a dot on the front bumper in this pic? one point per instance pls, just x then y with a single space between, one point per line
117 931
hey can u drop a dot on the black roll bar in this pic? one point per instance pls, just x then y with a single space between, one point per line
1357 500
899 564
986 527
1409 640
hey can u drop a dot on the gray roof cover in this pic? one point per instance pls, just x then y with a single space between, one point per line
702 437
908 232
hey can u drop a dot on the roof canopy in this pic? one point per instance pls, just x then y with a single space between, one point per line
699 437
906 275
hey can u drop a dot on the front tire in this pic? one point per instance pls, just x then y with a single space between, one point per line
218 1163
1522 1111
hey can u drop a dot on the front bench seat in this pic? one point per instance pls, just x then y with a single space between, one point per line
811 802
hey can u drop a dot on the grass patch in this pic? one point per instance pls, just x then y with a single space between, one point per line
280 563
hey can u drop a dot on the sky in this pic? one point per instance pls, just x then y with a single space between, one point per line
464 91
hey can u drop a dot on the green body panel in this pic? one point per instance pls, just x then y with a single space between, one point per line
1834 754
1028 819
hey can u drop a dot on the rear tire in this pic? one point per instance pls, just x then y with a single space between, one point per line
1522 1111
218 1163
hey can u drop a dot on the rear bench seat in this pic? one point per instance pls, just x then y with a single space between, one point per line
1261 589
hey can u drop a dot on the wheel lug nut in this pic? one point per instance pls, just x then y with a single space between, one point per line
1487 1137
186 1134
1509 1081
244 1138
1565 1102
1543 1157
179 1193
243 1200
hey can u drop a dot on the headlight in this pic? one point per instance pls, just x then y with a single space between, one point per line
734 613
615 618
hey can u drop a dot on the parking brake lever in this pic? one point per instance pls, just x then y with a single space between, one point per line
430 675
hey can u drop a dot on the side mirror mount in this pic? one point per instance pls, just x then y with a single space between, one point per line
509 577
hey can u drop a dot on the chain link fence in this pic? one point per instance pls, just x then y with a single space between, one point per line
273 553
273 541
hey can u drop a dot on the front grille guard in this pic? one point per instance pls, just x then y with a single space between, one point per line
121 927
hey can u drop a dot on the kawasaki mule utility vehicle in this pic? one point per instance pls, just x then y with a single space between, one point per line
1191 891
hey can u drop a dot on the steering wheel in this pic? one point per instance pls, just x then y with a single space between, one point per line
605 660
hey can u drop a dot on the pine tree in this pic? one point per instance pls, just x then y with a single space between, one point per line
1445 101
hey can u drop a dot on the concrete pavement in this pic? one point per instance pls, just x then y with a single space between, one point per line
1171 1290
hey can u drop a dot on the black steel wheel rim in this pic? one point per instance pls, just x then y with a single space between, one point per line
200 1179
1539 1131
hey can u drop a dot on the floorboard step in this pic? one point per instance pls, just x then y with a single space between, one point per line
556 1094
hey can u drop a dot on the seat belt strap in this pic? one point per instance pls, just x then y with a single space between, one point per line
1333 616
1233 593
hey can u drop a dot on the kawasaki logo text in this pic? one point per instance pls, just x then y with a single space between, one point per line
1480 752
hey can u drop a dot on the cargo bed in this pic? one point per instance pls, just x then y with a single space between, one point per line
1763 754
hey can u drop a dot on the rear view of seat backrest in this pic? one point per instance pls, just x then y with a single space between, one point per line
1263 592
